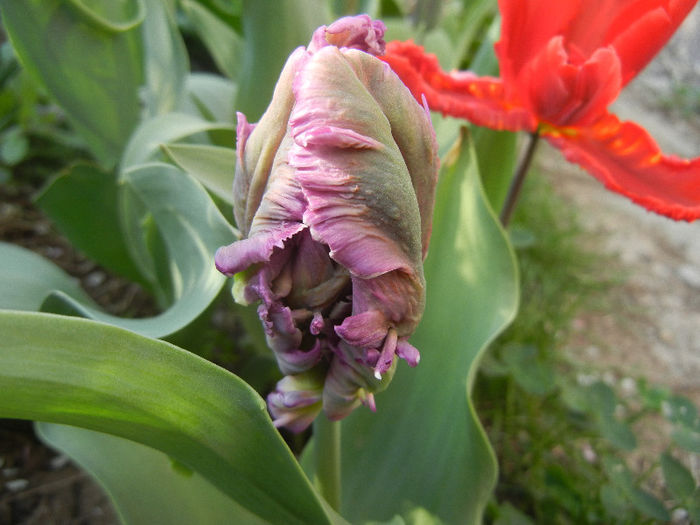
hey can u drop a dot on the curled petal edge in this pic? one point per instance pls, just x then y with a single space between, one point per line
481 100
627 160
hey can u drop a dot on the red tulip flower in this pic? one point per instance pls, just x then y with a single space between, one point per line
562 64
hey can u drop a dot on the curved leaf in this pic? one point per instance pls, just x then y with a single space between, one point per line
110 15
92 73
145 485
268 44
83 202
192 228
213 166
27 278
222 42
145 143
83 373
165 58
210 96
425 446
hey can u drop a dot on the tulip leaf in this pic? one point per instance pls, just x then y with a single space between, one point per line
191 227
92 375
145 485
145 144
27 278
269 44
83 203
425 446
210 96
213 166
90 61
222 42
165 57
497 157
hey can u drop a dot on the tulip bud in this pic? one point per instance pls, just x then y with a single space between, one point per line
333 194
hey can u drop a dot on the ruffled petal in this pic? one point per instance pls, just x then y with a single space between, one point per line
356 32
296 400
258 144
361 202
627 160
565 93
481 100
527 27
411 129
241 254
642 28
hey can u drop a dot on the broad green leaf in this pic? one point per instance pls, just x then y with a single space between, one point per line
530 372
191 227
679 480
165 58
614 501
145 144
268 44
509 515
628 492
497 152
424 446
110 15
213 166
649 505
83 373
88 55
682 411
145 485
686 438
83 203
210 96
224 45
602 403
27 278
617 432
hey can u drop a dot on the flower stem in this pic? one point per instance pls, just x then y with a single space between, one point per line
327 446
517 183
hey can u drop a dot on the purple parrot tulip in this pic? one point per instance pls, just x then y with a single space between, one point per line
333 195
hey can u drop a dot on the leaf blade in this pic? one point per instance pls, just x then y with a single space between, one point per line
156 394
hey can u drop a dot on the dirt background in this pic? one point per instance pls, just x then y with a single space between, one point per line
651 333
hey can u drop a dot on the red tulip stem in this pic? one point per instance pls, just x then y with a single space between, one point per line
517 183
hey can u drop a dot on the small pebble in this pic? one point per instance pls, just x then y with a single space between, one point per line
10 472
690 275
95 279
16 485
59 462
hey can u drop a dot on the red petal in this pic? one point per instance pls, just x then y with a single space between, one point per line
464 95
624 157
527 27
642 28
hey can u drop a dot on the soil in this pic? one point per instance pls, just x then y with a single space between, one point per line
651 333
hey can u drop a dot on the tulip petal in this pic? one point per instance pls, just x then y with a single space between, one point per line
360 201
627 160
637 36
356 32
241 254
256 152
481 100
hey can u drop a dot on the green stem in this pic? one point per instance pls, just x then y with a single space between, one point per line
327 447
517 183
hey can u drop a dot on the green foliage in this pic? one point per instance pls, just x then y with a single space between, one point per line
564 439
425 433
104 378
